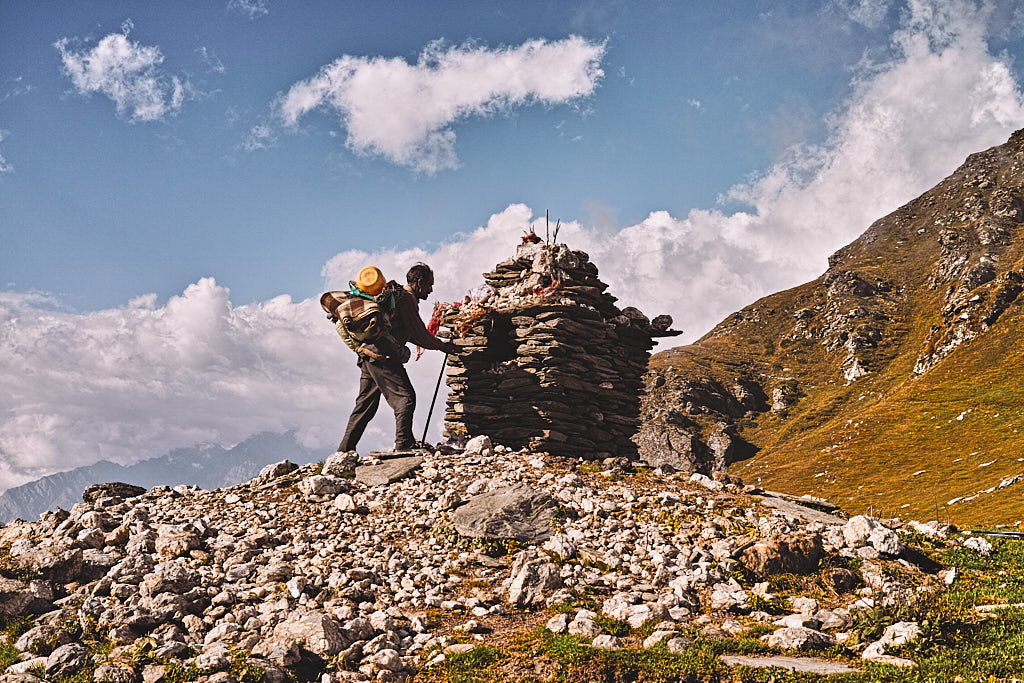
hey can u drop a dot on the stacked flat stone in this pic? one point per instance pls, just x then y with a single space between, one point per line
548 360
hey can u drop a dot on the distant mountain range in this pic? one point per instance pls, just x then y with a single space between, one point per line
890 384
206 465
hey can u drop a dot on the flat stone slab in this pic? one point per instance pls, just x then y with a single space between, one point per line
521 513
386 472
801 664
985 609
801 512
392 455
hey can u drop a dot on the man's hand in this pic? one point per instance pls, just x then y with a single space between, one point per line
451 349
370 353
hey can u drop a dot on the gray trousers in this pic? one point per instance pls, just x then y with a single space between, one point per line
390 379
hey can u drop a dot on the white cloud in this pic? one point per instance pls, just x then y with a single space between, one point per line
405 112
133 382
254 9
5 166
126 72
868 13
210 59
260 136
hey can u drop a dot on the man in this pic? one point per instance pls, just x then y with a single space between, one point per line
387 375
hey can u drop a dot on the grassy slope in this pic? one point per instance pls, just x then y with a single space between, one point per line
871 449
958 644
861 443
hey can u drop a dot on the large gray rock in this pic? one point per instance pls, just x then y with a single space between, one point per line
799 639
521 513
274 471
60 564
66 660
790 507
895 635
864 531
314 631
386 472
41 639
532 577
19 670
797 553
115 489
320 485
15 598
668 445
174 540
340 463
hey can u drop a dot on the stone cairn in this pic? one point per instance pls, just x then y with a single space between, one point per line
548 361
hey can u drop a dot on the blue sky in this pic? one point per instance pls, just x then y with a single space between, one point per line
178 183
692 100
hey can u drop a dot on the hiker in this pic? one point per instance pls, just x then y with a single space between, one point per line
382 366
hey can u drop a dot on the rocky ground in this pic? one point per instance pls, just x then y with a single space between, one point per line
359 570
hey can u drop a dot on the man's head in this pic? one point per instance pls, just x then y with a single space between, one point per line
421 280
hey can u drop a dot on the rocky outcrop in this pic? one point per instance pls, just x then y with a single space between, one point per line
277 574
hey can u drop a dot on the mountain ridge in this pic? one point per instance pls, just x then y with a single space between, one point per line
889 382
205 465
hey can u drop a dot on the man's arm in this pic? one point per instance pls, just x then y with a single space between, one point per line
408 311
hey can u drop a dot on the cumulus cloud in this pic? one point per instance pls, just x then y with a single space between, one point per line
135 381
253 9
128 73
405 112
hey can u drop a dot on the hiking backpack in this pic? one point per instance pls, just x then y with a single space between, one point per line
361 319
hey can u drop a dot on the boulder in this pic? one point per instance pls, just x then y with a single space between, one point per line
20 670
479 445
117 490
895 635
531 578
606 642
798 639
274 471
584 626
558 623
60 564
979 545
340 464
320 485
668 445
41 639
313 631
66 660
15 598
521 513
174 540
797 553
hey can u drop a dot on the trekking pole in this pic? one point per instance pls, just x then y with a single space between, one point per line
437 388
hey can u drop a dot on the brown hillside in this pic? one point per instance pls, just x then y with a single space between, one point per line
891 383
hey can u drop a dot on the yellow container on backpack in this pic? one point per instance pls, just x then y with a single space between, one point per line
370 280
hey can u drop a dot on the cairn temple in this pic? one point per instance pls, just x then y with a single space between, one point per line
548 361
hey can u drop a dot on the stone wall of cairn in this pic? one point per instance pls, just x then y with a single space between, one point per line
548 361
